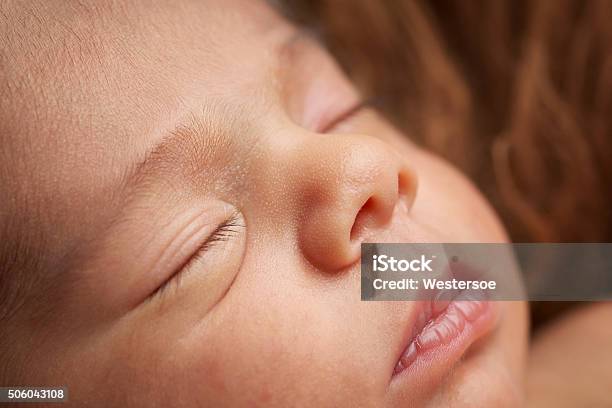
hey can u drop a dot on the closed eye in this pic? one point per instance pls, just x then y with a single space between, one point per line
362 104
224 232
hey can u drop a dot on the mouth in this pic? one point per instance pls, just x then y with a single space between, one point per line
444 330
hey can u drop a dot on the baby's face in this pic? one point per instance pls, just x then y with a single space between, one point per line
198 177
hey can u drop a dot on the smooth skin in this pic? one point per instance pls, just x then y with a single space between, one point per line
132 132
569 363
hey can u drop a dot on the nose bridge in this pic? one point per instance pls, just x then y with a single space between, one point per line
348 184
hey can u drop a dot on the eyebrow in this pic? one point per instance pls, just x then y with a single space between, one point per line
186 149
291 45
199 131
295 45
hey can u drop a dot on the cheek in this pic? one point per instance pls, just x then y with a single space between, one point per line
448 203
269 350
283 335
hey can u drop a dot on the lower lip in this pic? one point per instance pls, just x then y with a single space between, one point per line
443 336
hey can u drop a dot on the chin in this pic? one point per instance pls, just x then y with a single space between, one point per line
481 383
486 376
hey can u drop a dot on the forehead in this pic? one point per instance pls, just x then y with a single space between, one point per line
104 69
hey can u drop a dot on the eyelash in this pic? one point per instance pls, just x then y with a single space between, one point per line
226 230
365 103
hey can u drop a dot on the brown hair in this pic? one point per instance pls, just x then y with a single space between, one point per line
517 94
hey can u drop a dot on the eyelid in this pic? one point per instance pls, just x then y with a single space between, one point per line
349 113
225 231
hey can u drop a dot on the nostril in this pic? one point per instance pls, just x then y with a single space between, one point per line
376 212
407 187
379 207
364 218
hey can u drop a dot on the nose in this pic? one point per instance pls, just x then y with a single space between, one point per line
351 185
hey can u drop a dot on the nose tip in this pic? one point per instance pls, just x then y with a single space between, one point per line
353 186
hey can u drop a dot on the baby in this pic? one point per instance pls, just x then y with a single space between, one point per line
184 189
